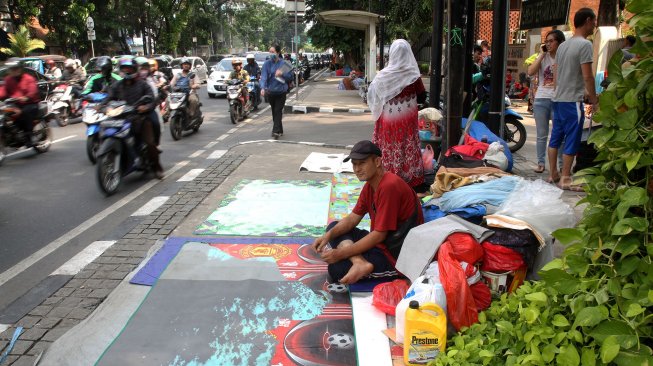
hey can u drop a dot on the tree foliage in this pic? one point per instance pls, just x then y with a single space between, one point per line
261 24
21 43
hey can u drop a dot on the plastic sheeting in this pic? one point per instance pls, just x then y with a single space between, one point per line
493 192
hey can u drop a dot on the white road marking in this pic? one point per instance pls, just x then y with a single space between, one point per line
65 238
354 110
326 109
4 327
210 144
233 130
222 137
64 139
86 256
192 174
151 206
196 153
246 121
54 142
217 154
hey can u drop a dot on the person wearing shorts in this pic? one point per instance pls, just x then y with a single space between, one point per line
574 84
353 253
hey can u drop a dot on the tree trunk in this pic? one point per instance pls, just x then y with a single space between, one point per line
608 13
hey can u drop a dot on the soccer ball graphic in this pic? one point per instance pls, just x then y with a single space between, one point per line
337 287
341 341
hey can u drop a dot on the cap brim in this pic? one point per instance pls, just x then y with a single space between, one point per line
357 156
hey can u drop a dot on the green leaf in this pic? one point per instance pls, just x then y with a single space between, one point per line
568 356
560 321
638 6
504 326
632 160
531 315
623 333
627 266
537 297
627 120
589 317
609 349
627 245
588 357
635 196
631 98
626 226
549 352
568 236
614 67
634 310
486 353
601 137
554 264
560 280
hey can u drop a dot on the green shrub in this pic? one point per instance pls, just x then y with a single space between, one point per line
593 305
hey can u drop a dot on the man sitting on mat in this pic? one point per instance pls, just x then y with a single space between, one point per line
394 209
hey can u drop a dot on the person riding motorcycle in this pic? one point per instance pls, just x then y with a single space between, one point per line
71 72
254 71
102 81
131 89
145 73
187 82
22 86
53 71
239 74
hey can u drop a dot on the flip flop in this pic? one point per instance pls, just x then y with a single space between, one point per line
540 169
572 188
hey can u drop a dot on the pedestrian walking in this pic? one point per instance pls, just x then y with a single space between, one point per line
543 67
393 97
275 76
574 85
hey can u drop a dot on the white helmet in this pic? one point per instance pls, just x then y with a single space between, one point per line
250 56
69 63
78 62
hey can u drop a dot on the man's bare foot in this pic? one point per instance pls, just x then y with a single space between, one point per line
356 272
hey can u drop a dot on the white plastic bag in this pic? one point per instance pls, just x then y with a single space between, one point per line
425 289
539 204
496 156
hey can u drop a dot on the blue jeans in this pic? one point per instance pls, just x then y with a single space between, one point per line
543 113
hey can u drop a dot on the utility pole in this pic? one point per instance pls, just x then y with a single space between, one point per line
456 57
436 54
381 36
498 67
296 46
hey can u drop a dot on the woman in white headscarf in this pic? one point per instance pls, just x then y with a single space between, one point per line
393 96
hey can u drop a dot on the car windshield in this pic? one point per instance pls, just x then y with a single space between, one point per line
176 63
224 65
261 56
32 64
214 58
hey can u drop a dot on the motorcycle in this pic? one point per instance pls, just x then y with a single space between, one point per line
119 153
12 135
239 108
514 132
178 115
254 89
64 102
92 118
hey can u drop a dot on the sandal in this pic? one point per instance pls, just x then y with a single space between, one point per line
540 169
572 187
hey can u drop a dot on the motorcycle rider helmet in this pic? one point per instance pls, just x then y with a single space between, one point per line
142 61
128 67
78 63
250 56
69 63
185 60
236 61
50 63
103 65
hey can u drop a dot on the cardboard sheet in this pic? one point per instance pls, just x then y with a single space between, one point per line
326 163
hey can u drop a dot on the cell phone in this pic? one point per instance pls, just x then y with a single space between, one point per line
544 49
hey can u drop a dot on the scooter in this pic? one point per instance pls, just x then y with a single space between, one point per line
12 136
239 108
254 89
179 119
119 153
92 118
514 132
64 102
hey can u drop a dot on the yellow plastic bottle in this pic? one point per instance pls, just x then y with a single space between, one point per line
425 335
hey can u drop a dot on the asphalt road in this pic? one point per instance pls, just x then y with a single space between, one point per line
54 197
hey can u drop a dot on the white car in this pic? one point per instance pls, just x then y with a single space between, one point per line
197 66
217 82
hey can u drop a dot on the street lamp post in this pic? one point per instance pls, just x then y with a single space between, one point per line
296 43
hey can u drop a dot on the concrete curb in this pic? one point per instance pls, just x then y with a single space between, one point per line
317 109
307 143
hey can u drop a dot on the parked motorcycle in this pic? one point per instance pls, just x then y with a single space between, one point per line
239 108
514 132
12 136
179 115
92 118
119 153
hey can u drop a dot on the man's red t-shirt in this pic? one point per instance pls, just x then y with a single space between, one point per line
23 86
392 203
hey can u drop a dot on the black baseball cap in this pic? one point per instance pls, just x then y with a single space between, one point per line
362 150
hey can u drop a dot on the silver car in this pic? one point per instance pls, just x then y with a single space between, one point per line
197 66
